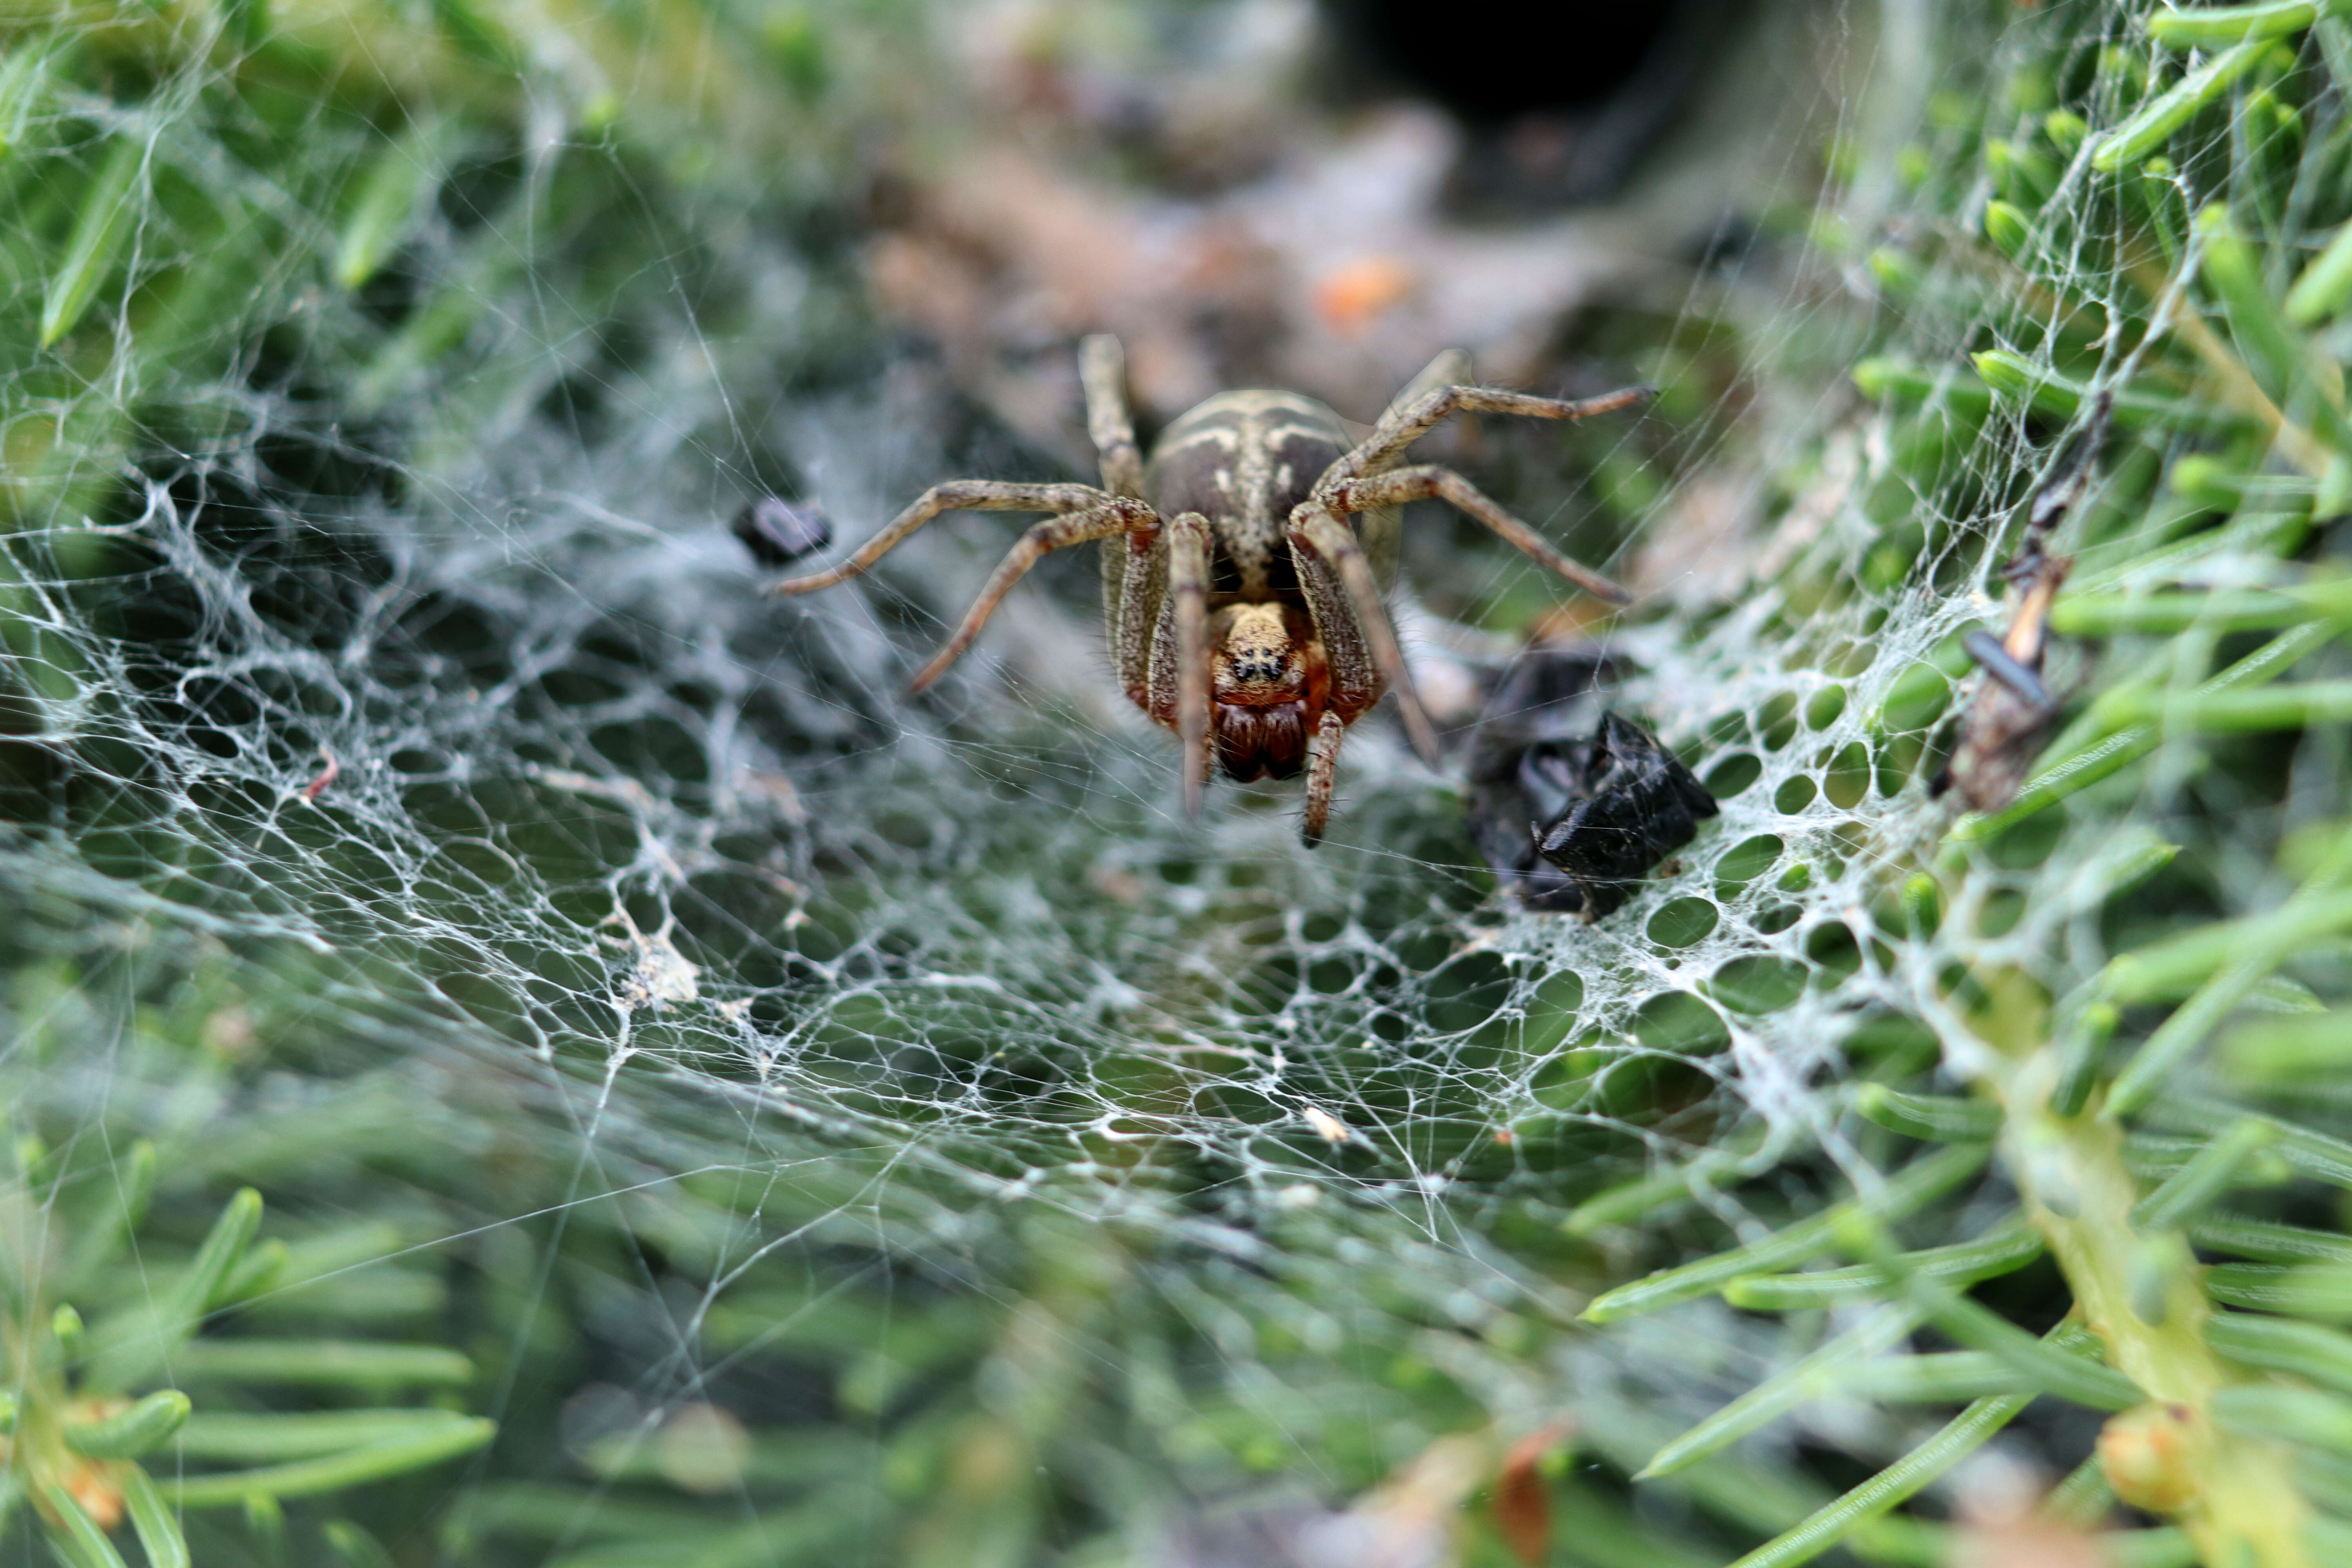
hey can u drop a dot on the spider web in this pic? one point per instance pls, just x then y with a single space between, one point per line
389 682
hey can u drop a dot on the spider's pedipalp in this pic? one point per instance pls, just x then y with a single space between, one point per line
1102 373
1407 422
1322 767
1112 514
956 495
1188 586
1318 528
1443 484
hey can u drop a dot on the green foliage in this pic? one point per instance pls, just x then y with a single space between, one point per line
428 1008
76 1432
2073 1039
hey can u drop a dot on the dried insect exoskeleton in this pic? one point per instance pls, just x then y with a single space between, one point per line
1570 804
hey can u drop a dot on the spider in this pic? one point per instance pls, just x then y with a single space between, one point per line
1244 609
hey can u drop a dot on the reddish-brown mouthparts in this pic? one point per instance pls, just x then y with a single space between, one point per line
1261 743
1268 688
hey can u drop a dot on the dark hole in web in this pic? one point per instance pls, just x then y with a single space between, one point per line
1491 64
1560 101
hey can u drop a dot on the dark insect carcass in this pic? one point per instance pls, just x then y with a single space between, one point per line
1571 803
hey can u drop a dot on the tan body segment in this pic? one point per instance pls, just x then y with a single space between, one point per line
1246 566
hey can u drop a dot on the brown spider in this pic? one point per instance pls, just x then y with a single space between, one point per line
1241 603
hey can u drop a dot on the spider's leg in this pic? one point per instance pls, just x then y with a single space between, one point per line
1319 529
1406 423
1322 762
1450 368
1111 514
1102 371
1188 586
956 495
1131 607
1444 484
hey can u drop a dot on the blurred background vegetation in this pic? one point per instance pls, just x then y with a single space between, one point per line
520 1048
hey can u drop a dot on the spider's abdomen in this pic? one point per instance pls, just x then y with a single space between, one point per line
1243 459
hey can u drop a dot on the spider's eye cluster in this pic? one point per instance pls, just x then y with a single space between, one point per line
1260 666
1260 654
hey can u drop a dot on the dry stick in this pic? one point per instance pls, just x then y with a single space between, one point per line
2112 750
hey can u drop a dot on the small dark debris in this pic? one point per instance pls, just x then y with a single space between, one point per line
1571 805
778 532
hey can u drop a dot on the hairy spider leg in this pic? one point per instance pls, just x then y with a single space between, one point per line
1115 514
1450 368
1102 372
956 495
1322 766
1188 586
1315 526
1407 422
1426 482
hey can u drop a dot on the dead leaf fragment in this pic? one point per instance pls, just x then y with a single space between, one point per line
1357 294
1523 1496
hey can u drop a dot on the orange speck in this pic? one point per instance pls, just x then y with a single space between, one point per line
318 786
1359 293
99 1492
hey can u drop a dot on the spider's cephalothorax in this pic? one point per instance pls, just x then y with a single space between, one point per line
1245 570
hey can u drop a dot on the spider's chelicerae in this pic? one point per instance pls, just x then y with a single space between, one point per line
1246 566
